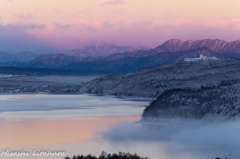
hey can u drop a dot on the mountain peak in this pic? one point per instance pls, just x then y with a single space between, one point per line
101 43
173 41
170 46
215 45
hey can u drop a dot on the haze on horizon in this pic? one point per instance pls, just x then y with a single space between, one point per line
58 25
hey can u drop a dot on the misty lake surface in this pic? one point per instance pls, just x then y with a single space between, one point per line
81 124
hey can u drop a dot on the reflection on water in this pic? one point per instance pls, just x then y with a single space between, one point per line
38 131
89 124
16 103
62 122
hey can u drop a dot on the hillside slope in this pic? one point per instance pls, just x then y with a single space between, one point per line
223 100
119 63
153 81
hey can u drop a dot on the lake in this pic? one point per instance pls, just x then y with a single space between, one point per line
82 124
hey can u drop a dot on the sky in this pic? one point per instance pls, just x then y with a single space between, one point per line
55 26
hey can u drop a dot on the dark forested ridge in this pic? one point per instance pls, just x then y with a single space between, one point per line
120 155
104 155
221 100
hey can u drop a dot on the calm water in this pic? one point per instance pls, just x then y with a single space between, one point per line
81 124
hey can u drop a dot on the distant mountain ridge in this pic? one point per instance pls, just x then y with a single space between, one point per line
49 61
129 64
19 57
112 63
25 56
216 45
5 57
125 62
174 45
102 49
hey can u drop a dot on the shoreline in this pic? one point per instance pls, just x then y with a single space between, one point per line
99 95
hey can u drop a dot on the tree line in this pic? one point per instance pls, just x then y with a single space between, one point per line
104 155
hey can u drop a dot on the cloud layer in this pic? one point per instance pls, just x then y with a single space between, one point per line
60 25
14 38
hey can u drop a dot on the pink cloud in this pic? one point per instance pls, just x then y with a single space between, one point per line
125 32
60 12
24 18
113 2
10 1
16 35
82 32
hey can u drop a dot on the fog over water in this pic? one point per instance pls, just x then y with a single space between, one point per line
90 124
206 138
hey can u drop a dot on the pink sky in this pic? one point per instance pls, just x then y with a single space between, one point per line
60 25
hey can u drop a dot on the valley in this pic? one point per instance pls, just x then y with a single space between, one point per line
182 88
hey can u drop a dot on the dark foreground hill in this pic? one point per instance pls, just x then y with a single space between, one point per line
223 100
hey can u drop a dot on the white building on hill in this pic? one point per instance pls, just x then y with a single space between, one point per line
200 58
